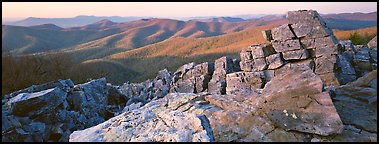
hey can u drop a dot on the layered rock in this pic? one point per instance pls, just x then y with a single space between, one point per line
223 66
148 90
191 78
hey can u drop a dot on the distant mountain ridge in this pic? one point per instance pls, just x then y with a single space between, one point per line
107 33
221 19
372 16
70 22
85 20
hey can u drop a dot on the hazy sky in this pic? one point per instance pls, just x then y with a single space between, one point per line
173 9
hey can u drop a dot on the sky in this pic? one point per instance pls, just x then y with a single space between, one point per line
19 10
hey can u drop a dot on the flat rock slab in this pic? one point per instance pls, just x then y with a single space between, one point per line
295 101
287 45
296 54
31 104
156 121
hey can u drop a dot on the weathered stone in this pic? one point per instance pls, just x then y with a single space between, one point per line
282 33
356 102
32 104
281 46
247 65
153 122
288 66
267 35
223 66
295 55
328 50
195 79
182 71
217 85
325 64
257 51
246 55
319 42
305 16
361 61
372 43
352 134
348 45
268 75
345 71
205 68
240 82
309 30
65 85
274 61
259 64
185 86
201 83
295 101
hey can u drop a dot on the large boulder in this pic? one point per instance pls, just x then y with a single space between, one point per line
295 101
308 23
65 85
33 104
356 102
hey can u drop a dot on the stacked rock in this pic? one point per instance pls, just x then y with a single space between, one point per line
223 66
192 78
306 40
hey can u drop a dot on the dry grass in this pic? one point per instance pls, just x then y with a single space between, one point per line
343 35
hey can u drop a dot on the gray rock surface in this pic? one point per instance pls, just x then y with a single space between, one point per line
223 66
159 121
372 43
242 82
295 101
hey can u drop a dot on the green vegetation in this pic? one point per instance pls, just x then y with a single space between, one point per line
19 72
358 39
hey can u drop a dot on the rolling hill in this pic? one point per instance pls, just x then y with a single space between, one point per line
135 51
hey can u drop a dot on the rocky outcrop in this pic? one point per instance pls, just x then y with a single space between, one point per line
192 78
304 86
52 111
55 111
223 66
160 121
